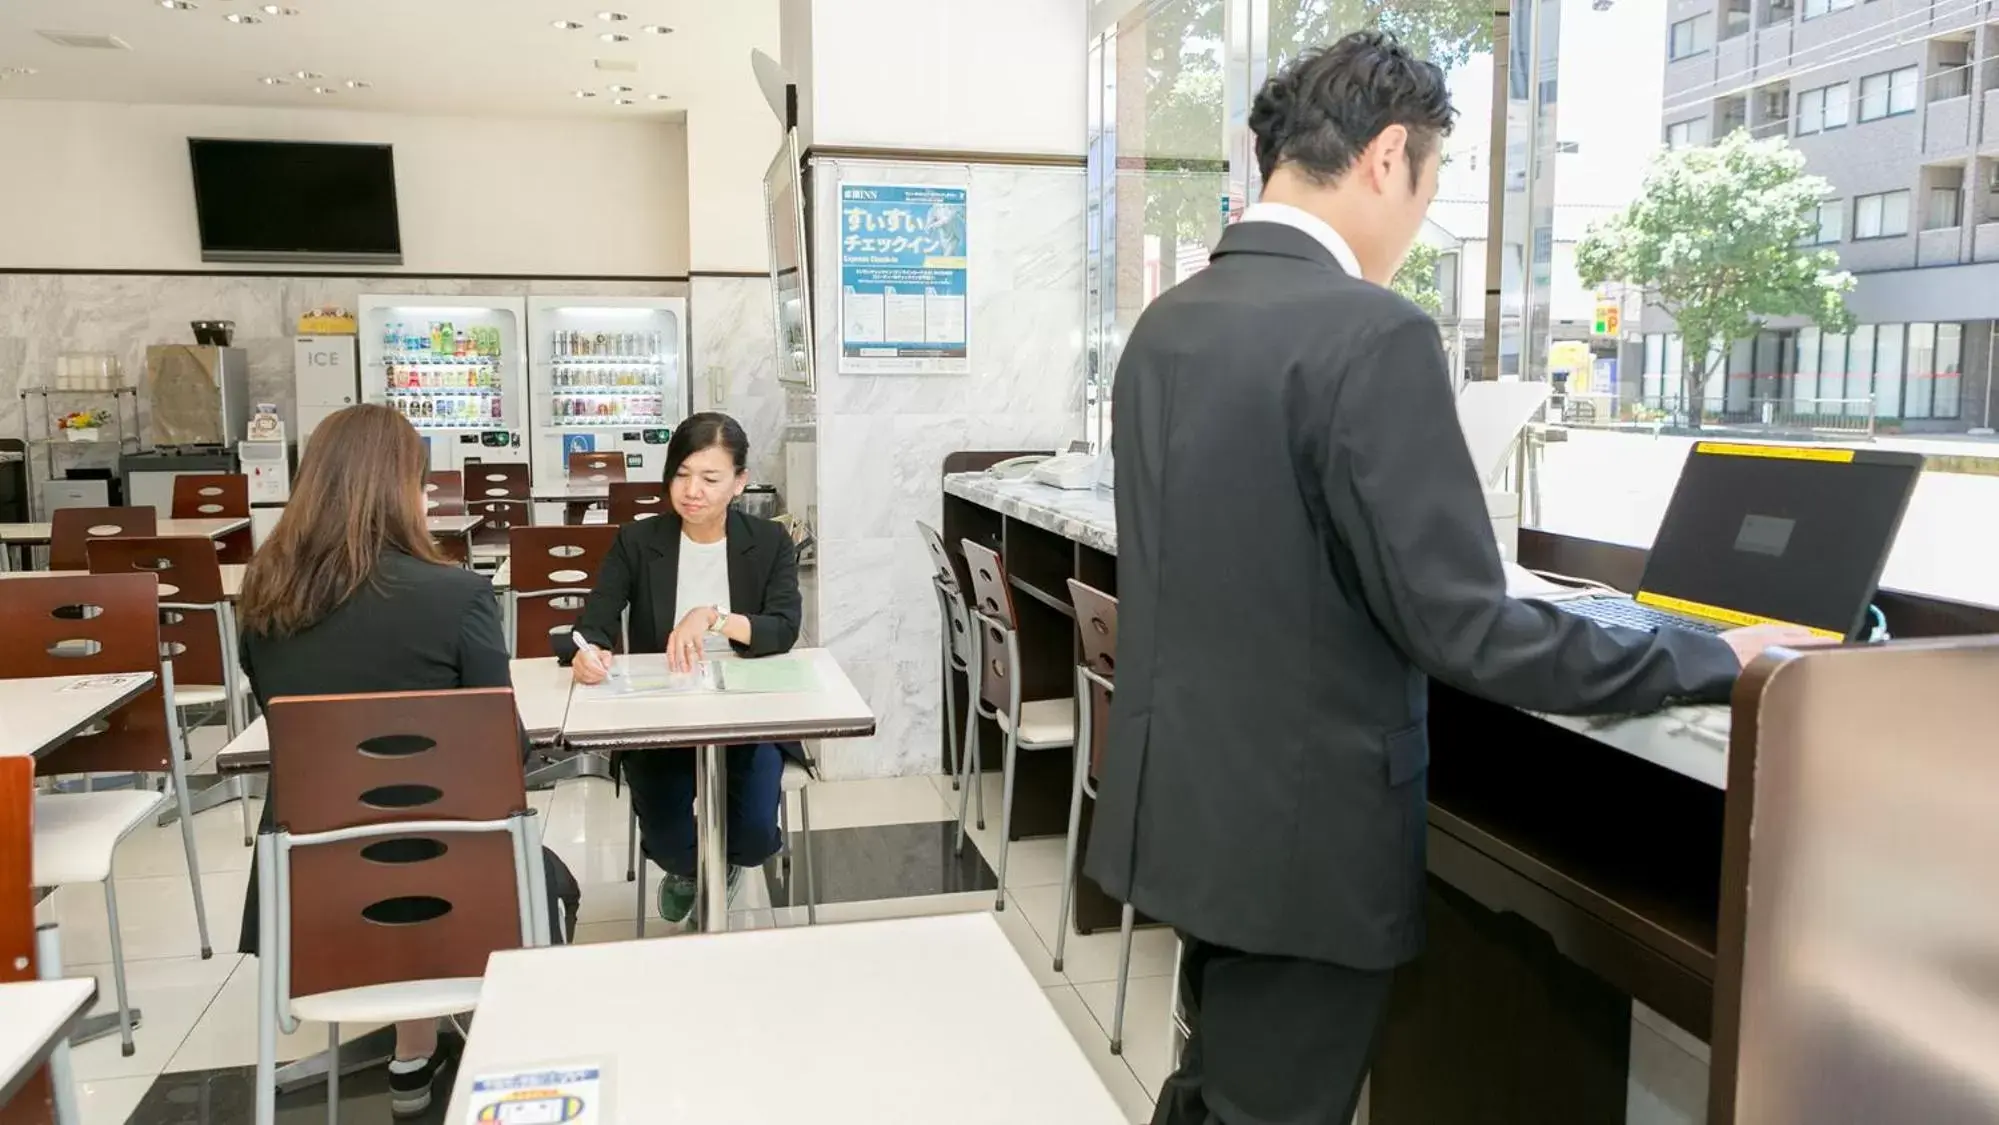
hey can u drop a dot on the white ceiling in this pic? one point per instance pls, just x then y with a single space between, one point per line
479 57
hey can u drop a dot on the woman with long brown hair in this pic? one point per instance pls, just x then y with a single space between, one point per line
350 595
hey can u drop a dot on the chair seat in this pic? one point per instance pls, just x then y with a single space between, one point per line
796 776
206 695
1045 723
76 833
389 1003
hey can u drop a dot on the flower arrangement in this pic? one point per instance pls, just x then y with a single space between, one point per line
82 425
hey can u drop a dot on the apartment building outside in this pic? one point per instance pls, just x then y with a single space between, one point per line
1896 104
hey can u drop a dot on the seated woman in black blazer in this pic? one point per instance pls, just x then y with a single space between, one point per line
703 577
350 595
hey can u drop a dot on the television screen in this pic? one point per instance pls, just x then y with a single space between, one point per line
289 201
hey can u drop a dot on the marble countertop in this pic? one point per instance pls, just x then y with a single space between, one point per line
1088 516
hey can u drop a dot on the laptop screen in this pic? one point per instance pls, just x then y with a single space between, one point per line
1783 533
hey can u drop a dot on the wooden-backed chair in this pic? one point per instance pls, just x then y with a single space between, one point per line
1038 724
554 570
217 496
501 492
1096 630
444 495
402 854
197 621
603 470
632 501
72 529
89 626
47 1096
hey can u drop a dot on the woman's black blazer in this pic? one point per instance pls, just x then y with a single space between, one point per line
642 573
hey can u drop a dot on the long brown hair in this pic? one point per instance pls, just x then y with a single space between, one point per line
359 493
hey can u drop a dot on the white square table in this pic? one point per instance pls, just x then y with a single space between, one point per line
456 527
232 577
600 718
35 1016
870 1023
44 712
40 534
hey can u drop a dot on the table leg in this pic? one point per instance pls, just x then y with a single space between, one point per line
710 797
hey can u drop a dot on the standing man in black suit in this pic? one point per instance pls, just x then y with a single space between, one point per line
1292 477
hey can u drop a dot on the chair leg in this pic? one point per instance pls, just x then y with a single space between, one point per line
1006 815
1081 772
805 858
1123 978
784 835
640 925
125 1044
267 1042
242 791
964 795
193 861
333 1074
979 793
951 711
632 845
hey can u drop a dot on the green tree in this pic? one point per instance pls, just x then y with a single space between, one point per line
1718 240
1417 279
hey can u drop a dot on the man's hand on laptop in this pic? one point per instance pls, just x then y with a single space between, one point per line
1750 641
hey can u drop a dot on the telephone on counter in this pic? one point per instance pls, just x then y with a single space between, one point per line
1068 471
1016 468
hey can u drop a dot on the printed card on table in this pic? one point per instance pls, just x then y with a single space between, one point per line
567 1096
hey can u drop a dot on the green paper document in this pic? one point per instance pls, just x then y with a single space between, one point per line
767 675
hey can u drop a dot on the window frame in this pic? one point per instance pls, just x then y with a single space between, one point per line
1905 80
1880 198
1836 208
1821 97
1696 48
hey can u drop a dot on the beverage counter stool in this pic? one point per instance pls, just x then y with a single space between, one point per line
1038 724
72 529
956 627
88 626
404 823
1096 624
217 496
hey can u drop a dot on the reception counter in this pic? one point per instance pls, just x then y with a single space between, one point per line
1576 865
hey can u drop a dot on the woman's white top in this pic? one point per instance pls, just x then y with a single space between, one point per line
703 580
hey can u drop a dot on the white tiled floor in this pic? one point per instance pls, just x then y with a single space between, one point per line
201 1014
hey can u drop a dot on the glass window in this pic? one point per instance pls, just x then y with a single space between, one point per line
1950 367
1816 8
1944 208
1831 220
1857 397
1888 353
1917 396
1827 107
1884 215
1889 94
1687 134
1692 37
1805 388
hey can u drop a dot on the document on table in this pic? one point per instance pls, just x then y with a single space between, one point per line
567 1096
764 675
115 682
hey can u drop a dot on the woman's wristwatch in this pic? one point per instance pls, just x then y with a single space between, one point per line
721 620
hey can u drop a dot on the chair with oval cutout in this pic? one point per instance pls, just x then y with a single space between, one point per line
402 854
602 470
444 495
1032 724
217 496
633 500
197 622
72 529
501 493
554 570
92 625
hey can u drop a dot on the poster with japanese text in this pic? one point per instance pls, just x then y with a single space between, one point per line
903 274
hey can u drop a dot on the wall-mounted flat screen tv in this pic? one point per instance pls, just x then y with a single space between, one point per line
292 201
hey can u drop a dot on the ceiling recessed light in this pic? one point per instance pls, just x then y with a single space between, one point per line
658 97
613 17
622 101
586 93
358 84
275 81
614 37
307 75
179 5
656 29
564 25
619 89
322 89
279 10
241 17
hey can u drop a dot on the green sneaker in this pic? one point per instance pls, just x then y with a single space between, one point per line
676 897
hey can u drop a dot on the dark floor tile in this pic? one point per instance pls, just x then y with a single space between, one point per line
882 861
227 1097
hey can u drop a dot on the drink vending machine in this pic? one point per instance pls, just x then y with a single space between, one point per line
456 367
608 375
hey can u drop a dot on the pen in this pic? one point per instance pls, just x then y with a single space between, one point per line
583 645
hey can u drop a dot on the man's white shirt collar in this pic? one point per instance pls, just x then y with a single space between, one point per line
1300 219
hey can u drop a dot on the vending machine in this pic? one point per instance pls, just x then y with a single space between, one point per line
456 367
608 374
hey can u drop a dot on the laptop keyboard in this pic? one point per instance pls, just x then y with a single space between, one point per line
1628 613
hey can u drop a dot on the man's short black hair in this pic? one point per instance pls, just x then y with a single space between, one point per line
1325 107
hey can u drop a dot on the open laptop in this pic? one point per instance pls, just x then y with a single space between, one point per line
1762 534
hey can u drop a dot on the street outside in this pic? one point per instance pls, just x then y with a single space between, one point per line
1614 486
